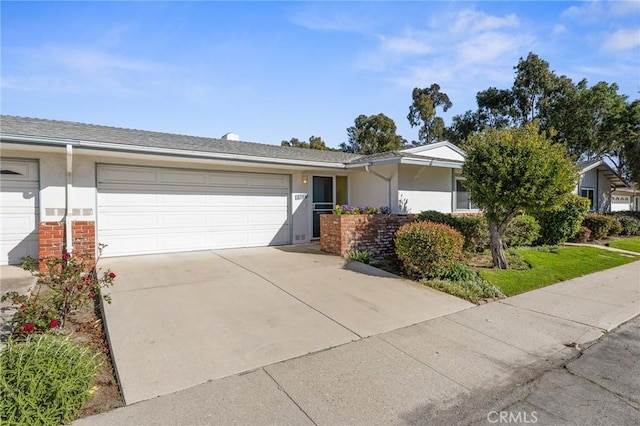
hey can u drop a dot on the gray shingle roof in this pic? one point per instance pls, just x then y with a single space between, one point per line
36 127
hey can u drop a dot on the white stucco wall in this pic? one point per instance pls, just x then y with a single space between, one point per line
425 188
371 190
596 180
84 193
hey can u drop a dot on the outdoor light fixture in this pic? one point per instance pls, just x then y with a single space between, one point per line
305 178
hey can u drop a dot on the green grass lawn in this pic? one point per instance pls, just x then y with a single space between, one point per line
631 244
551 267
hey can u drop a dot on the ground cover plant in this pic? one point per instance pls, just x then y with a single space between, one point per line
631 244
552 265
45 379
461 281
61 318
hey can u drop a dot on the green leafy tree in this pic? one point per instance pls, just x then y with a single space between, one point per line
372 134
513 170
422 112
592 122
315 142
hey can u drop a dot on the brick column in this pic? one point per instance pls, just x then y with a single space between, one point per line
51 239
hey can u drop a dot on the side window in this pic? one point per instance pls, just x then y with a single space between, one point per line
590 194
463 201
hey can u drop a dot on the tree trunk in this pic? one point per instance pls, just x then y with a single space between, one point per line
497 250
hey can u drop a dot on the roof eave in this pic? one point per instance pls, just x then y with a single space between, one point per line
105 146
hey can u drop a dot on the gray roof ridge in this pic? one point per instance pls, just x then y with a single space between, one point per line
259 149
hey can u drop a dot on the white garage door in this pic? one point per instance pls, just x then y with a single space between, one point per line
155 210
18 210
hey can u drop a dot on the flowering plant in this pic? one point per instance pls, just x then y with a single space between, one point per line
347 209
72 282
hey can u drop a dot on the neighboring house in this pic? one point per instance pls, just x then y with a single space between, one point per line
598 182
625 199
65 184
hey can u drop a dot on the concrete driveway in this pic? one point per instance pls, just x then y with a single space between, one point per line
179 320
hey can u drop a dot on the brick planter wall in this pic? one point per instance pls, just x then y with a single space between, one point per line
340 234
51 238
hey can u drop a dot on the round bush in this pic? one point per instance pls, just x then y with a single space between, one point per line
598 224
582 236
521 231
424 248
435 216
562 222
630 225
615 227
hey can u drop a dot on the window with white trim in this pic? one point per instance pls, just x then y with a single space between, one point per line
463 201
589 193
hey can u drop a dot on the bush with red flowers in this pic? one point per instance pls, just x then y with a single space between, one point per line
70 282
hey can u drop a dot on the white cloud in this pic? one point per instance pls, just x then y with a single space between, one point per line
622 39
410 44
559 29
471 21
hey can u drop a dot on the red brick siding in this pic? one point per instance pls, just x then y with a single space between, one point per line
340 234
51 238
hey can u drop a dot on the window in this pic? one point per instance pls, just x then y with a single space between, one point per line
589 193
342 193
463 201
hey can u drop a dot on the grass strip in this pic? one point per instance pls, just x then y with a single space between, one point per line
631 244
550 267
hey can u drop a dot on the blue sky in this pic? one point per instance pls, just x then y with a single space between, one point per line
270 71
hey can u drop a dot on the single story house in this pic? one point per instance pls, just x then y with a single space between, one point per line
67 185
599 182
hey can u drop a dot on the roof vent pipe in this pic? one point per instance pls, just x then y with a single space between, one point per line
231 137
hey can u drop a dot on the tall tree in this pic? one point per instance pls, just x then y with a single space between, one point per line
512 170
422 112
315 142
372 134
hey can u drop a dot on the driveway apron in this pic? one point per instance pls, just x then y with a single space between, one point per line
182 319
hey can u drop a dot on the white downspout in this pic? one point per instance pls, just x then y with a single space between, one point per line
68 234
366 167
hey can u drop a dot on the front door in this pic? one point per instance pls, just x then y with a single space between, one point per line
323 201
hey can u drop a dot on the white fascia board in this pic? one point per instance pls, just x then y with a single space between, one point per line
432 162
413 161
592 166
106 146
429 147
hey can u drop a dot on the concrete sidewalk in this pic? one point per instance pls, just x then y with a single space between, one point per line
448 370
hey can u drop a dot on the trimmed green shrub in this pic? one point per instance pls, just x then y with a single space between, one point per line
582 236
426 247
630 225
435 216
561 223
44 380
475 229
522 231
615 227
598 224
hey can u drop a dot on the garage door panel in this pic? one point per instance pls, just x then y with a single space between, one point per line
19 213
191 210
127 175
182 178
